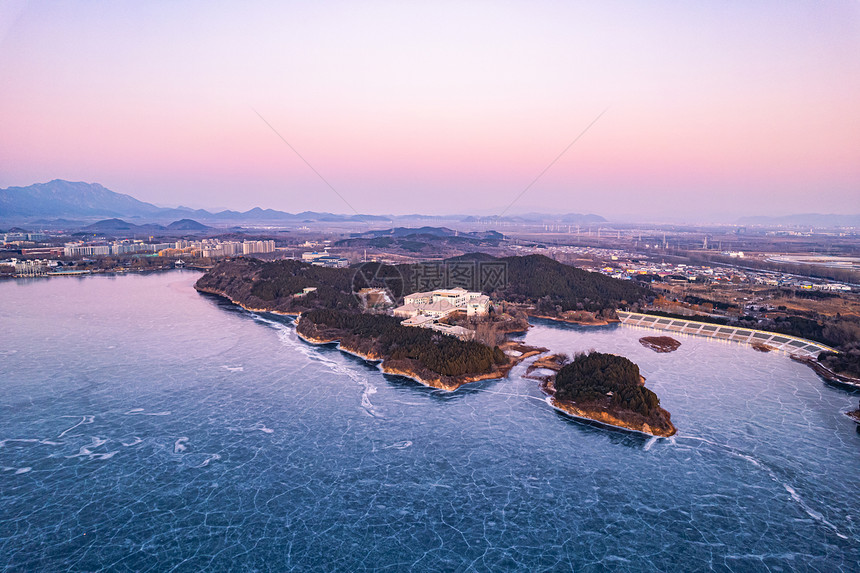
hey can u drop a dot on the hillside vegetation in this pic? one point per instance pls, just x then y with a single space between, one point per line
272 285
555 287
596 377
383 336
551 287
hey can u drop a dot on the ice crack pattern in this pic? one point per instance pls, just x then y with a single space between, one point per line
225 443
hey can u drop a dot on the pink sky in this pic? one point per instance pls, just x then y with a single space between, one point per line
714 109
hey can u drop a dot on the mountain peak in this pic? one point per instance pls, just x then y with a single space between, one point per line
60 198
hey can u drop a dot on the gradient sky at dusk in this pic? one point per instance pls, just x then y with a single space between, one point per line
715 109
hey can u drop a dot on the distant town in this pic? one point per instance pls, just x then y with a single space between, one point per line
31 254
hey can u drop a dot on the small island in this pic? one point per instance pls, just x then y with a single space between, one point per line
660 343
854 414
608 389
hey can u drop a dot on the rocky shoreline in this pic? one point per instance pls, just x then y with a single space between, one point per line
660 344
515 351
414 371
594 412
552 362
216 292
405 367
594 322
609 419
827 373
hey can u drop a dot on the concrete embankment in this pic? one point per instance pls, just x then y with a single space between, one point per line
783 342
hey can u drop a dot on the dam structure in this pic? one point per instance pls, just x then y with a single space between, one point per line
793 345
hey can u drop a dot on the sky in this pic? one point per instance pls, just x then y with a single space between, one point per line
710 110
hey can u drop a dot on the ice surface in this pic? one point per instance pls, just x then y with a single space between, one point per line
152 456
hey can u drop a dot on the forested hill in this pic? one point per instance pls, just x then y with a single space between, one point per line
384 336
555 287
551 287
595 376
601 386
273 285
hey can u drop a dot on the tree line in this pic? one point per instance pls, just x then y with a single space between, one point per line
437 352
596 377
555 287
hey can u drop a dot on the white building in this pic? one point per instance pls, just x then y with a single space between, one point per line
418 298
478 306
331 262
436 309
441 302
31 267
456 296
231 248
311 255
81 250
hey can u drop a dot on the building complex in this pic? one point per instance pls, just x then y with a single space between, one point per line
440 303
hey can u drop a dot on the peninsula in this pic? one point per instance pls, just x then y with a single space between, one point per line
466 345
428 357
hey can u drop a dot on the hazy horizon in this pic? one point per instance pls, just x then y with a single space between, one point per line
713 112
485 214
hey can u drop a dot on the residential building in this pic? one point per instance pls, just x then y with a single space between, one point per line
249 247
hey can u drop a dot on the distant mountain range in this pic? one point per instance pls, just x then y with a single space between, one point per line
565 218
111 226
399 232
67 204
803 220
68 199
425 240
62 203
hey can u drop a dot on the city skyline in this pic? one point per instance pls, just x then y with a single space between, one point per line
712 111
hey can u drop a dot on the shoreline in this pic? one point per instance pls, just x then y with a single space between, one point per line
828 374
600 416
601 322
563 408
241 305
95 272
322 342
438 381
606 418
